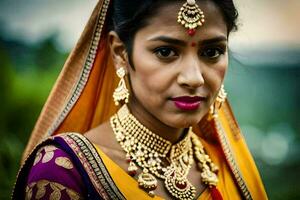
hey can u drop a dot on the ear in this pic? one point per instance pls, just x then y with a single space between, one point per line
118 50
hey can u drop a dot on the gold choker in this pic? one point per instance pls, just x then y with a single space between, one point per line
157 157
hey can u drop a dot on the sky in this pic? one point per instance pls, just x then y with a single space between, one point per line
261 22
268 22
34 20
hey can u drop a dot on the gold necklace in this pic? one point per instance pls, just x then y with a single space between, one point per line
158 157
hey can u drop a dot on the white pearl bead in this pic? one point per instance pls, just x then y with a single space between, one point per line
191 2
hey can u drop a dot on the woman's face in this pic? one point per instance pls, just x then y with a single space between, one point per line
176 77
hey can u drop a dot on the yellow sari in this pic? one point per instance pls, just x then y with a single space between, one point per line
81 99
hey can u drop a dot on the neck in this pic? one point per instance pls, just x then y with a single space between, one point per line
155 125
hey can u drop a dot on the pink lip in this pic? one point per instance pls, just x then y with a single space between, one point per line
187 102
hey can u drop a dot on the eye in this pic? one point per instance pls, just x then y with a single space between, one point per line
213 53
165 52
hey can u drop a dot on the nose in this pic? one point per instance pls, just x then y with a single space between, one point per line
190 75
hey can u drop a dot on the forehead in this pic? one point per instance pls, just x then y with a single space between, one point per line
164 22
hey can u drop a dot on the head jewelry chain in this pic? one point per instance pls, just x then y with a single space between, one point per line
191 16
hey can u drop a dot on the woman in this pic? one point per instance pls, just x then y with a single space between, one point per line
173 135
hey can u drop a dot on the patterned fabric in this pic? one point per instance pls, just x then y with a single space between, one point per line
53 176
93 165
69 166
45 189
65 167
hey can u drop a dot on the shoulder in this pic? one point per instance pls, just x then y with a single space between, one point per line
53 174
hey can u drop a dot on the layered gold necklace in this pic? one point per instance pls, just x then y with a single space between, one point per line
157 157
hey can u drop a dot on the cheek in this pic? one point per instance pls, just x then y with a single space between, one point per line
215 74
221 73
152 81
221 68
150 89
150 75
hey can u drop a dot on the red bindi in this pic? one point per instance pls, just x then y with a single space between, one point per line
193 44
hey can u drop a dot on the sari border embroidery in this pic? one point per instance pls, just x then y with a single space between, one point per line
231 161
93 164
86 68
232 122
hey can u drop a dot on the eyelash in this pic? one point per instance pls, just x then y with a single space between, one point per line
217 50
159 50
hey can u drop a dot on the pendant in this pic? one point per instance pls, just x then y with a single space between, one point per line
147 182
209 177
178 185
132 169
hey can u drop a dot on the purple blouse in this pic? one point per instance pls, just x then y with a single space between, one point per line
53 176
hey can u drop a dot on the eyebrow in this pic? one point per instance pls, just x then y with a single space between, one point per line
214 40
169 40
183 43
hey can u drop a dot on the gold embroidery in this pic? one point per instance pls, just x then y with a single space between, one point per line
48 156
64 162
37 159
56 186
73 195
231 160
50 148
97 172
56 193
49 153
28 192
41 189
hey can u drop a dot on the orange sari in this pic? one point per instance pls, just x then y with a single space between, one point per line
81 99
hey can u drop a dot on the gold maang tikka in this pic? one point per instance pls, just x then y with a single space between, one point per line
217 103
121 93
191 16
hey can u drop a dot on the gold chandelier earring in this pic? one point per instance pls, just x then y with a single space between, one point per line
218 103
121 93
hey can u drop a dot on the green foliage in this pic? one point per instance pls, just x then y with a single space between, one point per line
26 80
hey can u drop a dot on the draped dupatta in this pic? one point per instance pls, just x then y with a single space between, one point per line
81 99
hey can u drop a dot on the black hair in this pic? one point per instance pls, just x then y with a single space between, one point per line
128 16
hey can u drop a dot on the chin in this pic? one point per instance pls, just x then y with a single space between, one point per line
184 122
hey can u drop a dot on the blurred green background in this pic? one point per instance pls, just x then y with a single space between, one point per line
262 82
